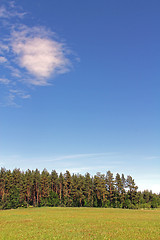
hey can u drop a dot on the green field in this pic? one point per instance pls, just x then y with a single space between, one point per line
79 223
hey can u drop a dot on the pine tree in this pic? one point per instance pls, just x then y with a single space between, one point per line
45 187
2 183
36 187
88 190
100 189
23 191
110 188
67 189
130 184
61 188
54 181
28 187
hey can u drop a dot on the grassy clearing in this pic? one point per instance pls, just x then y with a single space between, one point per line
79 223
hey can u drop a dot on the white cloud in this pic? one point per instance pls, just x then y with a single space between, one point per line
14 71
3 47
19 93
13 96
31 56
39 54
2 59
80 156
4 81
3 12
10 12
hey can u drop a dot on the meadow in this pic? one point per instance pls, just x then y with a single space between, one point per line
79 223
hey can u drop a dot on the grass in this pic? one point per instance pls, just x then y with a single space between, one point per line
79 223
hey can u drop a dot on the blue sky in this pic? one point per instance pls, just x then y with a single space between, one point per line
79 87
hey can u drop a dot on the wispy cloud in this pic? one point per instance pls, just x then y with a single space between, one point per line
30 56
20 93
4 81
3 48
3 59
10 11
3 12
80 156
14 94
73 162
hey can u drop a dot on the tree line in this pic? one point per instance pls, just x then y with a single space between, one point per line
37 189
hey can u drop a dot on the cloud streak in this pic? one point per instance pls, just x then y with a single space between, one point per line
10 11
4 81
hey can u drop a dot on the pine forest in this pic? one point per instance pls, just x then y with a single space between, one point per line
37 189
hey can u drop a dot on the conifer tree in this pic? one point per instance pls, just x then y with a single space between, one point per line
110 184
45 189
36 187
67 189
88 190
2 183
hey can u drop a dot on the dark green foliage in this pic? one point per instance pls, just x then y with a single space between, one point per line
53 200
12 199
110 187
22 189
